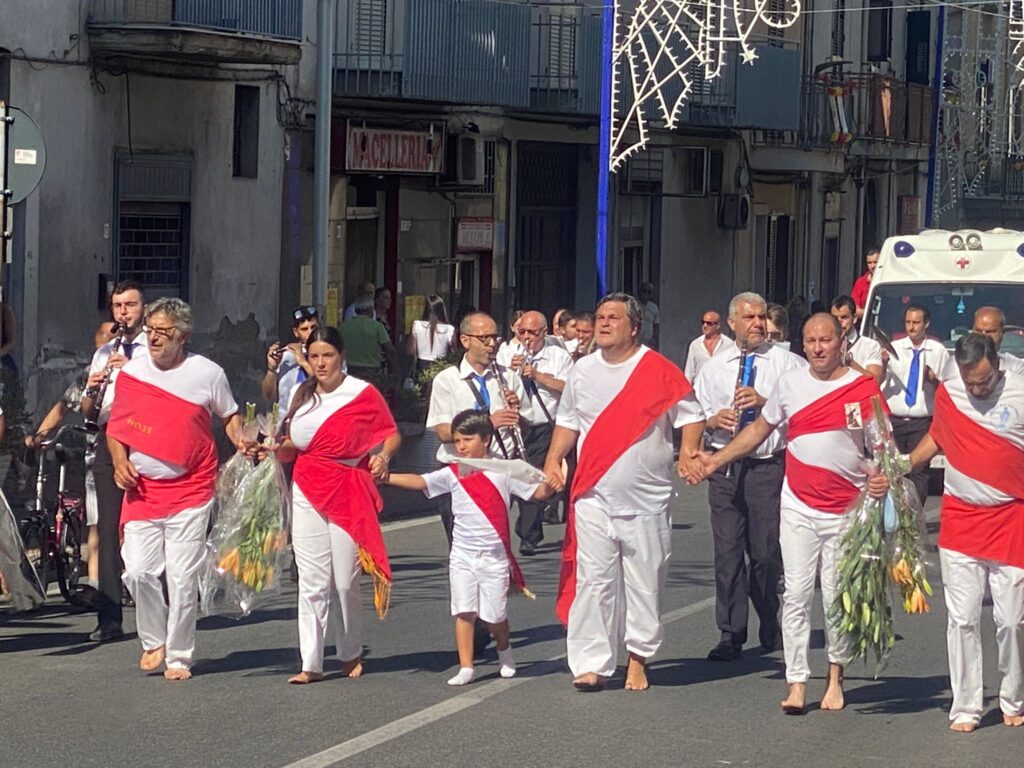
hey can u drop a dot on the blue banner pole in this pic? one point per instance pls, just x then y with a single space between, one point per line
604 149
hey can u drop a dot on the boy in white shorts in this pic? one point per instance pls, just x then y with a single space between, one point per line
481 565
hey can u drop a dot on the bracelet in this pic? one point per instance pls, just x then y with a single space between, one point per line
385 458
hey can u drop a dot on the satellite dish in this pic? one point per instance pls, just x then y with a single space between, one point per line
26 155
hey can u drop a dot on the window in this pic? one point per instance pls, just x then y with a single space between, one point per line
5 75
694 171
246 150
919 26
879 30
839 28
152 247
371 18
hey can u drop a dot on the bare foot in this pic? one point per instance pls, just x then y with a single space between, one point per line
962 727
588 681
151 659
636 674
795 700
305 677
353 668
177 674
833 699
1013 721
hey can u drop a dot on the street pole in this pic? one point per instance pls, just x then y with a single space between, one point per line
605 149
932 199
322 158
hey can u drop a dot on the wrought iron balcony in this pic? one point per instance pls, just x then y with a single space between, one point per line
198 31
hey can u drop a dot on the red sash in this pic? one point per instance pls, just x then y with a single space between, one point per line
489 500
819 488
347 495
153 421
655 385
986 532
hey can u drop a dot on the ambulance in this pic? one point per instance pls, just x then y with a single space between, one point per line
952 274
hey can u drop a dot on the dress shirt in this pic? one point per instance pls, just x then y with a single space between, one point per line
553 360
716 388
1011 363
897 375
698 354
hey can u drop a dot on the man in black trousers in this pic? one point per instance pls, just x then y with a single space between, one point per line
744 498
127 304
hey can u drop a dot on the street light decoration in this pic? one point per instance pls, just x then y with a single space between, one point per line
660 46
1016 34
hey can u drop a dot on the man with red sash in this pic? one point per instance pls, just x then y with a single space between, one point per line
621 405
160 440
823 409
979 425
480 564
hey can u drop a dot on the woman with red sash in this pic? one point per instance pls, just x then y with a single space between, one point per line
481 565
164 457
334 421
979 424
823 409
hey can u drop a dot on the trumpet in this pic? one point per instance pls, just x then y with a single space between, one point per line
96 393
515 434
735 410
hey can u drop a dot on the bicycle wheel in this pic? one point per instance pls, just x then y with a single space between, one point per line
70 563
34 535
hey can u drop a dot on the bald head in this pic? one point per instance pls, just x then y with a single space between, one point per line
823 342
990 321
531 330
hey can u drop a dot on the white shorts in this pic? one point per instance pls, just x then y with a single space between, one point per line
479 583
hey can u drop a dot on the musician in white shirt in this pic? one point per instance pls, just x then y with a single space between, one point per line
860 353
991 321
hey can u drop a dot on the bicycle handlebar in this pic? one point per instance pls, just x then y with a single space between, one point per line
50 442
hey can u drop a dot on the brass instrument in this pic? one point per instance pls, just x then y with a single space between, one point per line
97 393
515 434
735 409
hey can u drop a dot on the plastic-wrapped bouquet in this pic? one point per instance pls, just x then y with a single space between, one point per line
249 537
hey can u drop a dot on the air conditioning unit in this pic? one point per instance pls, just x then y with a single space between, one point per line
734 211
469 161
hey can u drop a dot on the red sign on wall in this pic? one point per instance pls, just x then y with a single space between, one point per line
379 150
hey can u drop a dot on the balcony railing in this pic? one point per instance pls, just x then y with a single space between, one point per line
517 55
838 109
269 18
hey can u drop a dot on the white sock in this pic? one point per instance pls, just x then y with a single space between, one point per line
507 665
464 676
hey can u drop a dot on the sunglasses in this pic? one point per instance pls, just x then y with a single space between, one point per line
710 322
304 313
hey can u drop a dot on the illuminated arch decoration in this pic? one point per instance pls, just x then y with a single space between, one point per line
660 45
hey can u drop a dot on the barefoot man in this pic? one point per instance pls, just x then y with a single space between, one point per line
823 409
621 405
979 425
165 459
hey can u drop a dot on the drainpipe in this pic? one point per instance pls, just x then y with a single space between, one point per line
604 150
322 155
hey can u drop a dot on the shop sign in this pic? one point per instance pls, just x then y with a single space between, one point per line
474 234
378 150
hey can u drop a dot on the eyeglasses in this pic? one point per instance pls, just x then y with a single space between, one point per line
163 333
304 313
774 335
529 332
710 322
484 338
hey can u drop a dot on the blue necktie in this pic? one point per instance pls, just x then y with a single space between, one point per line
748 381
301 377
127 350
914 379
484 404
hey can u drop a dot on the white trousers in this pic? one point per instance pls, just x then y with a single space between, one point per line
621 564
175 547
479 582
328 562
809 546
963 582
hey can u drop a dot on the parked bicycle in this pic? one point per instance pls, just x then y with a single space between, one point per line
53 535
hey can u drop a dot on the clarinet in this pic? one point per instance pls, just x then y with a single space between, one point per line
735 410
515 434
97 393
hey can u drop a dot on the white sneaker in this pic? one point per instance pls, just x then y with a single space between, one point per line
507 664
464 676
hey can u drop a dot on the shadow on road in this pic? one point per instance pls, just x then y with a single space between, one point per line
690 671
900 695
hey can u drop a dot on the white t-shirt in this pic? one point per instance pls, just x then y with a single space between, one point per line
650 317
571 345
864 351
640 481
1003 414
897 375
197 380
99 361
698 354
1011 363
716 387
552 360
443 335
451 393
472 530
840 451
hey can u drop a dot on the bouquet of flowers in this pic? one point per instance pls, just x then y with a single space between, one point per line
876 549
249 537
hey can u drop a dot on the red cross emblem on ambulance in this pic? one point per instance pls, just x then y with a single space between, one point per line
963 262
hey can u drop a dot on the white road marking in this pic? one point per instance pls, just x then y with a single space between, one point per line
475 695
399 525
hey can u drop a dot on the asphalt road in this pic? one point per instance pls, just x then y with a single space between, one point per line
65 702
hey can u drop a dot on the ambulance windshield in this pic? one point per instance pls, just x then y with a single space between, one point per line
952 309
